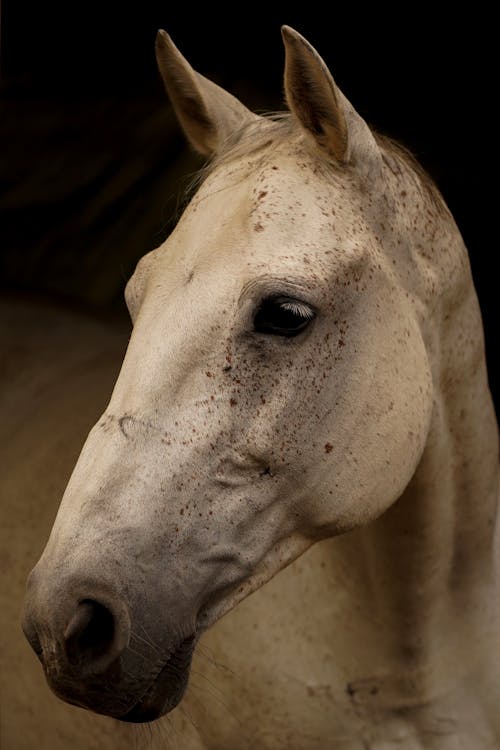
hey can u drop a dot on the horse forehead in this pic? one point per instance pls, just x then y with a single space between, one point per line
281 212
287 180
281 194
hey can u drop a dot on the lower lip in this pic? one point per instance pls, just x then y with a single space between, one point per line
141 715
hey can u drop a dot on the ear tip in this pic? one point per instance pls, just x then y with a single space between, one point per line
291 36
287 33
163 39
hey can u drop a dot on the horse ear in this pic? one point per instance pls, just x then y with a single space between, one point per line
318 103
207 113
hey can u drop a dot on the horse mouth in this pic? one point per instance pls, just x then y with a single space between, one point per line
167 688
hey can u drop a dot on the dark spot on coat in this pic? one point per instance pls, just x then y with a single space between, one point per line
258 227
121 424
328 447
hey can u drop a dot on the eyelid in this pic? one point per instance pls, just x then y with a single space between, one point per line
267 285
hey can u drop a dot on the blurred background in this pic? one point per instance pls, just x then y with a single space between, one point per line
93 165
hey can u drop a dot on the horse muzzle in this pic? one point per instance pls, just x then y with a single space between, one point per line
83 640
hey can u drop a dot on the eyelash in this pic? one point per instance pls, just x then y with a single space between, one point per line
282 316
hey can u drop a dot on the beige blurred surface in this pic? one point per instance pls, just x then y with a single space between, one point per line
56 371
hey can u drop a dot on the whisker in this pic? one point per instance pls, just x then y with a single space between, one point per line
215 687
141 736
189 718
211 659
204 689
172 733
151 735
146 640
160 737
142 656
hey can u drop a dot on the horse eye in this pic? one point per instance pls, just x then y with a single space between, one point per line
282 316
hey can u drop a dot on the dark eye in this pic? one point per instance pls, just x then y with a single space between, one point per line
283 316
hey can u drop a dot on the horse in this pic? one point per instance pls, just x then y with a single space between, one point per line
298 464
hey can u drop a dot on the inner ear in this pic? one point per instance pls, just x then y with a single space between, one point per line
313 97
207 113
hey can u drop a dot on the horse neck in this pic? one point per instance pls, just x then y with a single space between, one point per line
426 567
436 543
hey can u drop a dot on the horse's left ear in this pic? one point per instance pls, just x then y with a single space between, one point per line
319 105
207 113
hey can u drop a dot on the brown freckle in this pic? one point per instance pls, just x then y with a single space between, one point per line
182 511
258 227
261 195
328 447
340 343
209 374
233 401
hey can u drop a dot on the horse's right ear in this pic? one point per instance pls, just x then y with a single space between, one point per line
207 113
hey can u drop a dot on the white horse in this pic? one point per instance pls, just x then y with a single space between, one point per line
302 415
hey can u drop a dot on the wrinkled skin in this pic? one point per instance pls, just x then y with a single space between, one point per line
226 452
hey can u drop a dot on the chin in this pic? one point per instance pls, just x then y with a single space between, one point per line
167 690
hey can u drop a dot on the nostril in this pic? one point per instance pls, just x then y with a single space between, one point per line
89 635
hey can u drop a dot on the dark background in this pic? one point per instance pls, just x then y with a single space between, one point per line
92 162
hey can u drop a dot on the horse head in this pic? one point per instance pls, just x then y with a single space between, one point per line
276 389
